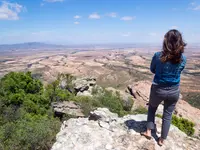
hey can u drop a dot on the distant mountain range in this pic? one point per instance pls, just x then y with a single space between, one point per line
44 46
30 45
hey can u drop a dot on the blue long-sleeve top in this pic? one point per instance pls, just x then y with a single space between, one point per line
167 74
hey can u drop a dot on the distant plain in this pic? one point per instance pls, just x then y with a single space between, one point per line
113 66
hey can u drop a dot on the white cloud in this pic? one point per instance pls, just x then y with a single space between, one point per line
53 1
10 11
76 22
94 16
194 6
128 18
174 27
126 34
77 17
112 15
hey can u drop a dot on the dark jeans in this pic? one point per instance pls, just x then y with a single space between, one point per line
170 96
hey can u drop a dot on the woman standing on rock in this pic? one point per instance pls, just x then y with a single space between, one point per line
167 67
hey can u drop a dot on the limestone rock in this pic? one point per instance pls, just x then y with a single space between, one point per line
84 93
67 107
84 86
106 131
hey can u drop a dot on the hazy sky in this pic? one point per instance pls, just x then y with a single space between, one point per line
97 21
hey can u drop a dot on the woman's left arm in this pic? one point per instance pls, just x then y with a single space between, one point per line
153 64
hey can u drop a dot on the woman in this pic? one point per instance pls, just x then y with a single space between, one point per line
167 67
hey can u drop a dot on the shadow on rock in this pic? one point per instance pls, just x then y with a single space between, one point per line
137 126
140 126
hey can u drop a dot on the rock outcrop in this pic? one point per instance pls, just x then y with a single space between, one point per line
104 130
67 107
140 91
84 86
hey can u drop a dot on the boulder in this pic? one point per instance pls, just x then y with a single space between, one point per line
63 84
84 86
67 107
104 130
84 93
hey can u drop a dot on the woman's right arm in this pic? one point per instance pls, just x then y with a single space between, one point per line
183 63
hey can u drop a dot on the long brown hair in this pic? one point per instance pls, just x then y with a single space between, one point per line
173 47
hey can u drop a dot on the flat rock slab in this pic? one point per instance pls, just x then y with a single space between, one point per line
68 107
109 132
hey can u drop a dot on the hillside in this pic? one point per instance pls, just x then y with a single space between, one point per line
31 113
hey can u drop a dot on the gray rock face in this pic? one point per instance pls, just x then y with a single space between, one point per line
104 130
63 84
84 86
67 107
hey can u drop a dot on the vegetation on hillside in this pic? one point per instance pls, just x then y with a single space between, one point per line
27 120
193 98
140 110
105 99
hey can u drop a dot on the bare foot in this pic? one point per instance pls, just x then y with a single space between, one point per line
147 134
160 141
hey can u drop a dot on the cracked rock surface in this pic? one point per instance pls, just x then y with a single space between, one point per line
104 130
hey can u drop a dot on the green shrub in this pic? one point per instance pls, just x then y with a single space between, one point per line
111 101
32 132
54 92
140 110
182 124
87 103
104 99
193 99
15 86
159 116
26 120
128 104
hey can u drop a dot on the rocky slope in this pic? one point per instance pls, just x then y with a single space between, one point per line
103 130
138 92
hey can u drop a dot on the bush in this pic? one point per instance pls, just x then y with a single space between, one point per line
26 120
15 86
104 99
193 99
54 92
87 103
140 110
111 101
182 124
32 132
128 104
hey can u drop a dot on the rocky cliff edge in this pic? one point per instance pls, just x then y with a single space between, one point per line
104 130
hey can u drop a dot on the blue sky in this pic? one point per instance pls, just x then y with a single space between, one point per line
97 21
